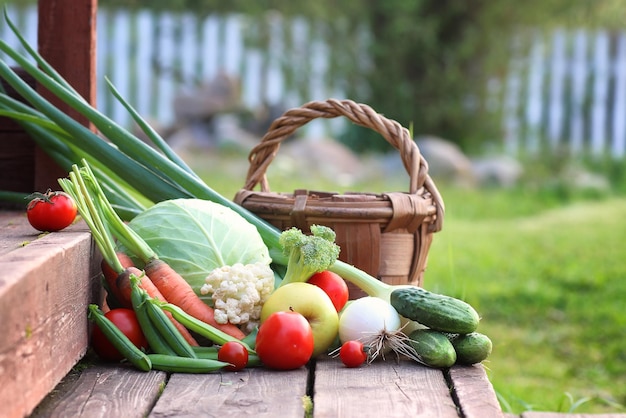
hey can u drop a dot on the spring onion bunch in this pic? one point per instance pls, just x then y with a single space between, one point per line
133 174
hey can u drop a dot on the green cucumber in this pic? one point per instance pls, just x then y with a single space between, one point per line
471 348
435 311
433 348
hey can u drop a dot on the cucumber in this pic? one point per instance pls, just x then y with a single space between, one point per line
433 348
471 348
435 311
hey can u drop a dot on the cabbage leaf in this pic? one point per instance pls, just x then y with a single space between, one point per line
195 236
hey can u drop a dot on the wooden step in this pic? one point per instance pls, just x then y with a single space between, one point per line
46 283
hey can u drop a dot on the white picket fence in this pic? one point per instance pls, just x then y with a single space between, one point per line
151 57
567 90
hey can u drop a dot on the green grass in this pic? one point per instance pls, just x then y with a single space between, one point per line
549 289
545 268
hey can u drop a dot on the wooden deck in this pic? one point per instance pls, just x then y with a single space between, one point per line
381 389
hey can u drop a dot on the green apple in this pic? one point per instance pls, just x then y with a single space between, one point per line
311 302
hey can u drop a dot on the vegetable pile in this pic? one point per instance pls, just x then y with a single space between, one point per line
196 283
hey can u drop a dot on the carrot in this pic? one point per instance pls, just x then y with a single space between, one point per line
178 292
111 274
124 287
125 259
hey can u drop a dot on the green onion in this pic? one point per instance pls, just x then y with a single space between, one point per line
148 173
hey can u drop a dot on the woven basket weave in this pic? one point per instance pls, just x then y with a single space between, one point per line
387 235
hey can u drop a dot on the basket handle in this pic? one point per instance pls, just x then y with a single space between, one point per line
399 137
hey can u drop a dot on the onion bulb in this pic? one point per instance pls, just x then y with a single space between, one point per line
369 320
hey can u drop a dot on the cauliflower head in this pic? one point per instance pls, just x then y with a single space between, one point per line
239 292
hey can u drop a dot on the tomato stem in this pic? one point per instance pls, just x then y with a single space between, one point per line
46 197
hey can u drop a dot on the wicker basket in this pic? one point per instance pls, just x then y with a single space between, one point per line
387 235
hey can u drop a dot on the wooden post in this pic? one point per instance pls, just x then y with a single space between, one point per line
67 40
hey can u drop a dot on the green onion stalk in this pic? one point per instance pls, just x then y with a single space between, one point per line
133 173
75 186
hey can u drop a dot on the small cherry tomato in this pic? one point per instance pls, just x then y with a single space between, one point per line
234 353
126 321
284 341
51 211
334 286
352 353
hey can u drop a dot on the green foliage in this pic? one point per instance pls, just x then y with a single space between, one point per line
614 169
433 52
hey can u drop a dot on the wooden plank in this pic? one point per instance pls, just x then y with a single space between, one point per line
17 164
45 287
600 93
618 134
383 388
67 40
254 392
535 102
15 231
17 151
512 100
474 392
533 414
580 69
104 390
557 79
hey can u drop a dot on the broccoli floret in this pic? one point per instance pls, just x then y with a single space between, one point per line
308 254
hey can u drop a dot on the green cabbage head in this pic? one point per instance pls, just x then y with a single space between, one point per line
195 236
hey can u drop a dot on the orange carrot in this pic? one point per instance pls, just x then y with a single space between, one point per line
178 292
111 274
124 287
125 259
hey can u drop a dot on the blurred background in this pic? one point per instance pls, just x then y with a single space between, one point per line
518 107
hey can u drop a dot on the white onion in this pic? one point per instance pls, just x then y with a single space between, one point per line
367 319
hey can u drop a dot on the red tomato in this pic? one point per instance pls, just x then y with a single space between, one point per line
51 211
285 341
234 353
352 353
334 286
126 321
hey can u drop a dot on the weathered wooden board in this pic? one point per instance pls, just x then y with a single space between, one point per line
105 391
254 392
533 414
15 231
67 40
17 153
474 392
45 287
381 389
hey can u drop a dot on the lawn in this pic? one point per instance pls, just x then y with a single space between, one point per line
549 288
545 270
